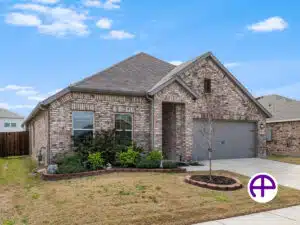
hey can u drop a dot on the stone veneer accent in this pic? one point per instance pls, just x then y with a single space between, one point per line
104 108
285 138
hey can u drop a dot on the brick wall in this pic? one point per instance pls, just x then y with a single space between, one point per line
104 108
285 138
38 131
226 100
176 94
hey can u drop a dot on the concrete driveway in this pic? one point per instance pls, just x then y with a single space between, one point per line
286 174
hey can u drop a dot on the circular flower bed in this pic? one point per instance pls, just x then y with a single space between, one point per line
215 182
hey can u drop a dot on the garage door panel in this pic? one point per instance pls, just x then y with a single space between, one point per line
230 140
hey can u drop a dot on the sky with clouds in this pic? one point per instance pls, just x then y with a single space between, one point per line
49 44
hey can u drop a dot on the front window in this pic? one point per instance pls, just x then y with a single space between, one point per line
83 124
13 125
123 126
6 124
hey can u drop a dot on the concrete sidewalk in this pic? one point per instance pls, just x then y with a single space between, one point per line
286 216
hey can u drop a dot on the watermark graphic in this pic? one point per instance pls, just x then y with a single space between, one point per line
262 187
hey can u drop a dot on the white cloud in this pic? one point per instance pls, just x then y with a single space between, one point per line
21 19
26 92
46 1
118 35
4 105
176 62
16 87
32 7
56 21
92 3
62 29
7 106
112 4
108 4
268 25
36 98
232 64
104 23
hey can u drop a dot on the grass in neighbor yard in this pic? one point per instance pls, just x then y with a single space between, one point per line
286 159
121 198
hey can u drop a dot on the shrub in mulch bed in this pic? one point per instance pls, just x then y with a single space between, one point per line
46 176
221 183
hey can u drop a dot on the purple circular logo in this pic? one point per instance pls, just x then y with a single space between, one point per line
262 187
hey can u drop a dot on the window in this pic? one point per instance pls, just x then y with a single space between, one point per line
123 126
6 124
269 134
83 124
207 85
13 125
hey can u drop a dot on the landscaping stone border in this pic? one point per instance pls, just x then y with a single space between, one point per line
50 177
220 187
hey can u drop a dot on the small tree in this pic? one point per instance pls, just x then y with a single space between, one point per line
207 129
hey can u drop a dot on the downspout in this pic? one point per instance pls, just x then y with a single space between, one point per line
148 97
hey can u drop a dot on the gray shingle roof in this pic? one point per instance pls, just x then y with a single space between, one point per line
135 75
4 113
280 107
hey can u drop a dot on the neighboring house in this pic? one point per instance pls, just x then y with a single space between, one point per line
10 121
284 127
163 105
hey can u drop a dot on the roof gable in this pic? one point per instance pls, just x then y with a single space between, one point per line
185 66
167 80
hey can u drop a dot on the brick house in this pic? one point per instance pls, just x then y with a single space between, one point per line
283 129
159 106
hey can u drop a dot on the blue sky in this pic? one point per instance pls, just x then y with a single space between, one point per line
48 44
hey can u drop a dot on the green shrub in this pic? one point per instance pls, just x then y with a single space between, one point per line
155 155
182 164
128 158
103 141
169 164
95 161
149 164
71 164
195 163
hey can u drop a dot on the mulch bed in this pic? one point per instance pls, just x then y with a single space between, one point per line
221 183
52 177
214 179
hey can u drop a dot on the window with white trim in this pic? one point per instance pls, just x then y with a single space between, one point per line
6 124
123 126
83 124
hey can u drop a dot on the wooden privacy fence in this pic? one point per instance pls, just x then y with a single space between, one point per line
14 143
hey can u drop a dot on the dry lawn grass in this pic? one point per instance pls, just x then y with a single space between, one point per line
286 159
127 198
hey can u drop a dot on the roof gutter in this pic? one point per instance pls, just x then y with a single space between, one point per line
283 120
39 107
